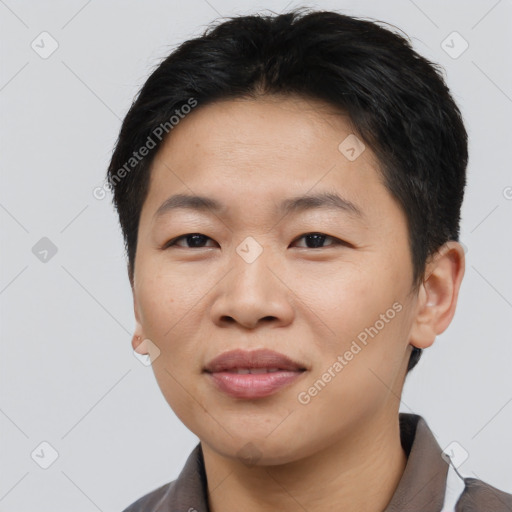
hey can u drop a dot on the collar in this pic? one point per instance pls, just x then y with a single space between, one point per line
422 486
423 483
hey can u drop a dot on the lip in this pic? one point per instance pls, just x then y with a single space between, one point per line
252 359
222 371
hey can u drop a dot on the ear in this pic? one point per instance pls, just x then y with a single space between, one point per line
438 294
138 338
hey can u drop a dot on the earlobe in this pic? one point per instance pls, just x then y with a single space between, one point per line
138 338
422 333
139 344
438 294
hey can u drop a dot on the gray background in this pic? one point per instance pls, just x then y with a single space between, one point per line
68 373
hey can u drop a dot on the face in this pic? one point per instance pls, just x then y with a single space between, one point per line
325 283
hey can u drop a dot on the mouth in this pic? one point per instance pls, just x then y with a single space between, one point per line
255 374
254 371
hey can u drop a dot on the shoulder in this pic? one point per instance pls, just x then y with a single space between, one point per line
479 496
151 502
188 492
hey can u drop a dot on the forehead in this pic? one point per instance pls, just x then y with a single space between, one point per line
270 149
255 122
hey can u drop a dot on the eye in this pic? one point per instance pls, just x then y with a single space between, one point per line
197 241
316 239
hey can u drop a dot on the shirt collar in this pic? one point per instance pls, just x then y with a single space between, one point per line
422 486
423 483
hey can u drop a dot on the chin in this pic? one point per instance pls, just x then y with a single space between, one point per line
257 451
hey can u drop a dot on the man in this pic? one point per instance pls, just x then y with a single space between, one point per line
289 189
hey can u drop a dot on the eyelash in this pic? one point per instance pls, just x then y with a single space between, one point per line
336 241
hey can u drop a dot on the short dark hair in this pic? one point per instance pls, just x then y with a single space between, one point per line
396 100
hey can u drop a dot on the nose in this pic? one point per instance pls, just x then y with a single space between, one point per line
253 294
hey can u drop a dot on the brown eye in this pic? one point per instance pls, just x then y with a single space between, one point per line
316 240
196 240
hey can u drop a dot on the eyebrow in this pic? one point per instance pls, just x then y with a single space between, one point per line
298 204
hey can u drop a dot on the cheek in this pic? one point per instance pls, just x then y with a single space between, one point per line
170 313
165 306
352 299
368 320
157 306
164 297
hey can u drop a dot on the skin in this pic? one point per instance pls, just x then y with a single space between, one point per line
342 448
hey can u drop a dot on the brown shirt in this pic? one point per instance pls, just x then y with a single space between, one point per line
421 489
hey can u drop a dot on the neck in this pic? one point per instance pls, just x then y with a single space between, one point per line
359 472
